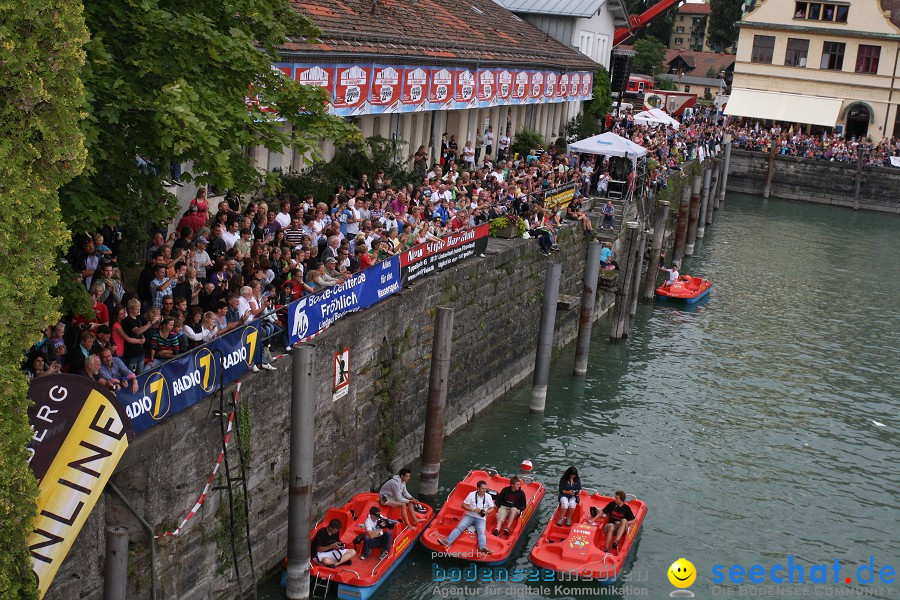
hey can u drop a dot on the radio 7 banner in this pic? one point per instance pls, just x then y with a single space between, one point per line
436 256
537 87
180 383
386 90
351 93
415 89
520 88
440 95
487 88
465 89
311 314
80 433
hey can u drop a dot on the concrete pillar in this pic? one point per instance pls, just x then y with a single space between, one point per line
115 572
588 299
545 337
366 124
437 401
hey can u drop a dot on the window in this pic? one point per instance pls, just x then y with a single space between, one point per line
687 88
707 91
841 14
867 59
821 11
679 40
796 52
800 11
763 47
833 56
679 29
815 11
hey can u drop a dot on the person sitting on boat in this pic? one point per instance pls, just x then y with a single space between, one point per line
673 274
330 549
394 493
620 519
377 534
569 490
478 505
510 504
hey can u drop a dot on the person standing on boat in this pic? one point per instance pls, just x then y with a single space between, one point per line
478 505
673 274
569 490
510 504
394 493
330 549
377 534
620 519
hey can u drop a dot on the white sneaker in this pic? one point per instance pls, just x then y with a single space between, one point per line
254 369
268 367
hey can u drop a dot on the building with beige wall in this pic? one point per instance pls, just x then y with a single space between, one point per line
691 27
827 64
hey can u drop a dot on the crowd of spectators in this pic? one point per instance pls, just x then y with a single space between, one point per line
225 265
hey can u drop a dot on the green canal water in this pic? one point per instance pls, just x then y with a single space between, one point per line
760 424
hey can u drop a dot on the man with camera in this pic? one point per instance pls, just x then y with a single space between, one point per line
329 548
478 505
378 533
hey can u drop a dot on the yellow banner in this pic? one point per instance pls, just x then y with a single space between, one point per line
74 481
560 199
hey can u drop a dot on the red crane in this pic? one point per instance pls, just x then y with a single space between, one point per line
636 23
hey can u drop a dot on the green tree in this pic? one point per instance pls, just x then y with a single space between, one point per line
168 81
41 148
589 122
664 83
723 18
650 56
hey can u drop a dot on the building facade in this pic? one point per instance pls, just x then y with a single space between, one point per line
411 71
830 64
690 29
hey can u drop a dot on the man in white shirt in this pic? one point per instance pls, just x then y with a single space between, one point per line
469 156
284 217
488 141
377 536
503 146
478 505
232 235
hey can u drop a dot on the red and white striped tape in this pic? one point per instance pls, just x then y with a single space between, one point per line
199 504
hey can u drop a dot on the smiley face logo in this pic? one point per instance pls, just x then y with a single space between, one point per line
682 573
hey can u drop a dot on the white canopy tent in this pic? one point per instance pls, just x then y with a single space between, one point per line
609 144
655 116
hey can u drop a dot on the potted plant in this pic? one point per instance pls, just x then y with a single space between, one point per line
508 226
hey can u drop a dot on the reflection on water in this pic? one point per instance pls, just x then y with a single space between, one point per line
747 423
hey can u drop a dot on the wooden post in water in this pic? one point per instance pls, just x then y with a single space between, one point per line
704 199
638 280
714 192
437 402
693 216
588 299
858 178
659 232
720 198
623 291
545 338
770 172
681 224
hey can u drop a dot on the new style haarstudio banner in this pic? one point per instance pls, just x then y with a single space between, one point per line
363 89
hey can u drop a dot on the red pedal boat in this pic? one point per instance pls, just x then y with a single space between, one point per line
361 578
687 289
466 545
578 549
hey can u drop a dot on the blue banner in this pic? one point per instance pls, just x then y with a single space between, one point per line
311 314
191 377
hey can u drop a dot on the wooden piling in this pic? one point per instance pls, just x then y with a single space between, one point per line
704 200
770 172
693 216
659 232
720 197
714 191
623 291
681 224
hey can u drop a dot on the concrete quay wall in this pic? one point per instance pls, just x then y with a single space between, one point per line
360 439
817 181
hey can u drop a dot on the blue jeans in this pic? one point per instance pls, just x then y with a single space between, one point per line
480 524
383 541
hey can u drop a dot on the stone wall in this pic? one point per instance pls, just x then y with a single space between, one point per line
360 438
818 181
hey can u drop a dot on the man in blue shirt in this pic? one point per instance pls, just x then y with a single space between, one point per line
113 370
